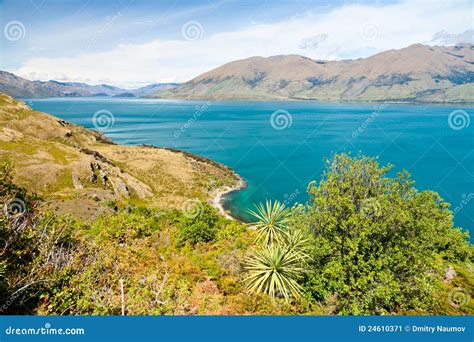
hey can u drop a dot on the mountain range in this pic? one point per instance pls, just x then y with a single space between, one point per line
415 73
19 87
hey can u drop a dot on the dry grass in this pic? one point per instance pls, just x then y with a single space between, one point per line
46 152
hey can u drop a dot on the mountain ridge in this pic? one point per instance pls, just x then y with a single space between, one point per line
20 87
416 73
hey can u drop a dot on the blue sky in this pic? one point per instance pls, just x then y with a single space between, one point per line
132 43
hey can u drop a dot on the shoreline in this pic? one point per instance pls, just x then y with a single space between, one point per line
289 99
217 196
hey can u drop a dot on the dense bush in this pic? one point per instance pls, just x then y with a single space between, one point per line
126 224
202 227
375 239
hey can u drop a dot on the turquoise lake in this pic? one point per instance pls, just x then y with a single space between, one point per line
279 155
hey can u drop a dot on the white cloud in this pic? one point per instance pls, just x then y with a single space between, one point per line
351 31
313 42
446 38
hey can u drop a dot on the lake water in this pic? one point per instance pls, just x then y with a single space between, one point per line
278 155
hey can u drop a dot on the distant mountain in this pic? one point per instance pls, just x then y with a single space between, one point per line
80 89
143 91
21 88
416 73
126 94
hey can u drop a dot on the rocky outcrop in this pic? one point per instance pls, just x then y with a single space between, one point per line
120 187
76 182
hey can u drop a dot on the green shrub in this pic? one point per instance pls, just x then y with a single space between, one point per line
376 239
126 224
201 228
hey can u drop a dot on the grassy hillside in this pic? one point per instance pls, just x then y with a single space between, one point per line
76 169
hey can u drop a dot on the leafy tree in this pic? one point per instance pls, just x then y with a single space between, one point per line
375 238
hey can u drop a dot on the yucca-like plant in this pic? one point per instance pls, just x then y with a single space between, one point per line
274 270
272 220
295 240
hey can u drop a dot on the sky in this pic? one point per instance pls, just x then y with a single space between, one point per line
132 43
